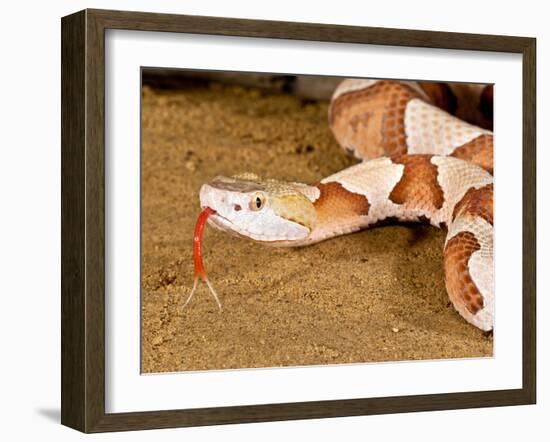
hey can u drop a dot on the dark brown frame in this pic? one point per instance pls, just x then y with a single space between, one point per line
83 215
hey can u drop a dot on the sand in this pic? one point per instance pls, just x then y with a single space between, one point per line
377 295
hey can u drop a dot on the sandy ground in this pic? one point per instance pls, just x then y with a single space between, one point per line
377 295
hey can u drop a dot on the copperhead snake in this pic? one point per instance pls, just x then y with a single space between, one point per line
419 163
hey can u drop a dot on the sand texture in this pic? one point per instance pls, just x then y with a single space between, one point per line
377 295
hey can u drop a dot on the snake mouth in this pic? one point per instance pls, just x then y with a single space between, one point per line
219 222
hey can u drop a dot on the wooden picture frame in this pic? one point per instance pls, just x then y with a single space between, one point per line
83 220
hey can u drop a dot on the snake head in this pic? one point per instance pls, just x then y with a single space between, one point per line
265 210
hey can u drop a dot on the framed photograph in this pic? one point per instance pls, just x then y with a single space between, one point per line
268 221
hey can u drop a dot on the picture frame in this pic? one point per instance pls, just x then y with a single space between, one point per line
83 338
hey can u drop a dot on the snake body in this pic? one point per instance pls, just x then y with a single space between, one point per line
419 163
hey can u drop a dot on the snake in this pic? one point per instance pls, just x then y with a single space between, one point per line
420 162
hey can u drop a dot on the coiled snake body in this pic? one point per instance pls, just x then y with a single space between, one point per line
420 163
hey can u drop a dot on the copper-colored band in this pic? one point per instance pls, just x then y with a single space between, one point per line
462 289
418 188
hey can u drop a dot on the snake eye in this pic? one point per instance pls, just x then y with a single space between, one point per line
257 202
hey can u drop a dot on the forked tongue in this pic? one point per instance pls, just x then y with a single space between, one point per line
197 255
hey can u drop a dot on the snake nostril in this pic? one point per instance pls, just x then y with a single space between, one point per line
237 207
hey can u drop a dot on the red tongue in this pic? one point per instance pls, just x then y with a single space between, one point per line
197 255
197 241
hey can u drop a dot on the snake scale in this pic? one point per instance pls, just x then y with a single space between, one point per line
419 163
